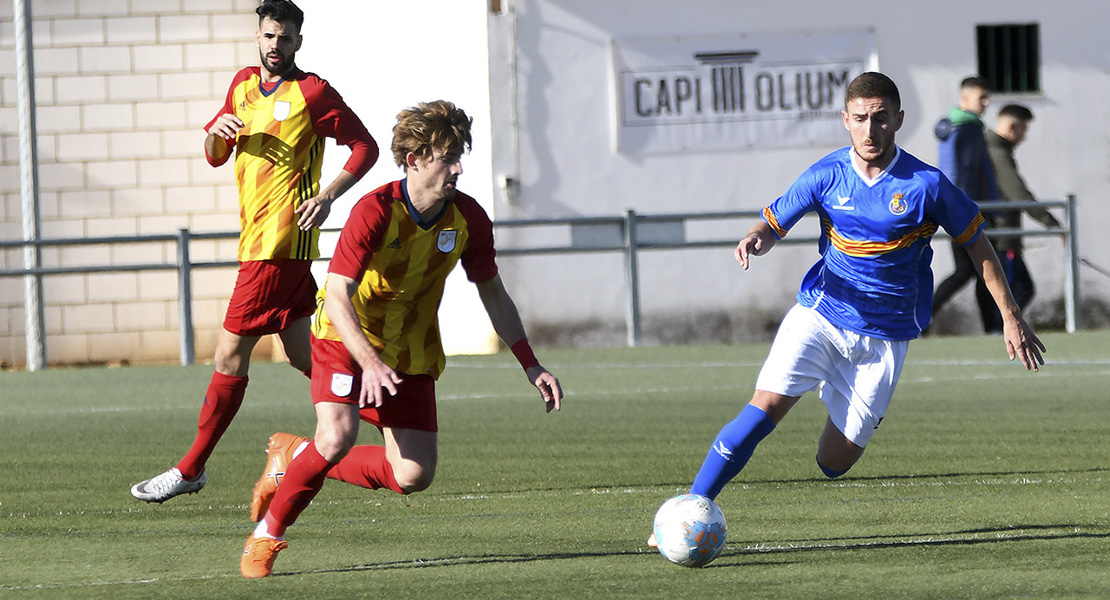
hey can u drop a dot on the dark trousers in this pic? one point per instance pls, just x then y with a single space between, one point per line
964 274
1021 284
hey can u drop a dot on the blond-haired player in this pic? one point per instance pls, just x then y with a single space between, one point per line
376 350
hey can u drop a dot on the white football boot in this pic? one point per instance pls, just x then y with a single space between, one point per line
167 485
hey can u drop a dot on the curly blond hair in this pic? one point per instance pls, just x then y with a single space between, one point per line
430 126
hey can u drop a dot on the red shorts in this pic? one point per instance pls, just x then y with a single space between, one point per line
337 378
269 295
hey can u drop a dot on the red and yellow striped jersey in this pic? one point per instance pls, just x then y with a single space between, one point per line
402 266
278 154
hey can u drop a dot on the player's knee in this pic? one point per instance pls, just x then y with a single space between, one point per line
230 360
334 445
412 478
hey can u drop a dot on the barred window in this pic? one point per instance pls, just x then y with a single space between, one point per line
1010 56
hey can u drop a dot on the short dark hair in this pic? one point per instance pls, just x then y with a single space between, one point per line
1016 111
873 85
282 11
975 82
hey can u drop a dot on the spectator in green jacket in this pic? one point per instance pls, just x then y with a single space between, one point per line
1009 131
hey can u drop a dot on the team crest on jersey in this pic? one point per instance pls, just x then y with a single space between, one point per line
898 204
282 110
446 241
341 384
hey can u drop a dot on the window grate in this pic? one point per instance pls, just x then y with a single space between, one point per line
1010 56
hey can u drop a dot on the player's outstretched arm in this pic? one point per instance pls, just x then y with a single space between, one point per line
506 322
758 242
1021 342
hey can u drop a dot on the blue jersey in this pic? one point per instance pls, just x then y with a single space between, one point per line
873 276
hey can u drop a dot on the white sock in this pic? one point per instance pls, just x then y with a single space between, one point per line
300 449
263 531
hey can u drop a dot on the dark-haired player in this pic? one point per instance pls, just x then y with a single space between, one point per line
868 295
275 118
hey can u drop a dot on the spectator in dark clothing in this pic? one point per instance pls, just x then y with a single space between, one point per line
964 160
1009 131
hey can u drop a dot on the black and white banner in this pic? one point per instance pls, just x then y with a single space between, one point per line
727 92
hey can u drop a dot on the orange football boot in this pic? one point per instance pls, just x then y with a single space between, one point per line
279 453
258 556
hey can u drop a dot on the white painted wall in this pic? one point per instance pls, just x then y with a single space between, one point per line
552 72
383 57
124 89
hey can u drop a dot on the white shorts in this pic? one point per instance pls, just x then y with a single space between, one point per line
856 373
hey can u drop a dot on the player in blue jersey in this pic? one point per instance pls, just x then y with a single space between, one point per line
869 294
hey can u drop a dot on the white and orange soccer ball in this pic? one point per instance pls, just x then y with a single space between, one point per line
690 530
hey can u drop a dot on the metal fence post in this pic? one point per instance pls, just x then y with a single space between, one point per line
185 302
34 313
632 278
1072 319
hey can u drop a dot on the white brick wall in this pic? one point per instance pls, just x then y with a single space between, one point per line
123 90
132 30
156 58
78 32
109 8
107 117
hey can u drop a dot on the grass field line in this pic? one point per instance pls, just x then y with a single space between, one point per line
986 480
555 366
94 584
910 362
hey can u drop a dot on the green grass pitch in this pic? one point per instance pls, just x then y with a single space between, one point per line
984 481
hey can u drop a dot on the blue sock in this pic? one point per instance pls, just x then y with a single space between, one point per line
731 450
830 473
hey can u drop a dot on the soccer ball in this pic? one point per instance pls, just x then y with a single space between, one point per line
690 530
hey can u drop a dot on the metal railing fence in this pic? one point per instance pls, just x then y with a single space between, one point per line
629 233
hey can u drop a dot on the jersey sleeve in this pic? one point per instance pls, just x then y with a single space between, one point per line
478 257
331 117
954 211
227 108
788 209
367 223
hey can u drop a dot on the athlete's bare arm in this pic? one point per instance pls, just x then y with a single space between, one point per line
506 322
315 210
222 131
759 241
1021 342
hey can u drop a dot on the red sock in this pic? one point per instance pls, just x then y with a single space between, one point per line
221 402
303 480
366 466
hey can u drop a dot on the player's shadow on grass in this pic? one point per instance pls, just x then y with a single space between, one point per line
744 553
967 537
482 559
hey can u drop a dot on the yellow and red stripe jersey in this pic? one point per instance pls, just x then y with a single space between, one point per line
278 154
402 265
